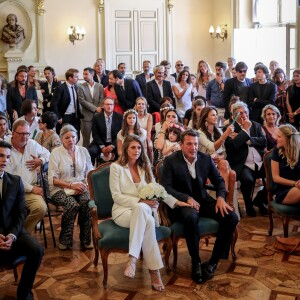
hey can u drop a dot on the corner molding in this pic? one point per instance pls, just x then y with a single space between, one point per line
40 7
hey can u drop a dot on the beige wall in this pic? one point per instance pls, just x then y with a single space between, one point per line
192 42
59 51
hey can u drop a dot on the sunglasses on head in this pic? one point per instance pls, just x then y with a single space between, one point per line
242 71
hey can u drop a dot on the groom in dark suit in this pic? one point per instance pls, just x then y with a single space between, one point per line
184 176
105 127
14 240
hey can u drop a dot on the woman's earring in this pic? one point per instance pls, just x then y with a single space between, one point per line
206 125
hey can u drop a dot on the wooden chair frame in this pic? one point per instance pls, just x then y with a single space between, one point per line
96 234
163 212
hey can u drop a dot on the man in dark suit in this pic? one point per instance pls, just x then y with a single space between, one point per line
65 102
126 89
157 89
90 95
14 240
245 149
237 86
48 87
184 176
101 75
18 93
144 77
261 93
178 67
105 127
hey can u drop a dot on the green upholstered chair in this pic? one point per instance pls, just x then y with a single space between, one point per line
107 236
285 212
13 265
207 226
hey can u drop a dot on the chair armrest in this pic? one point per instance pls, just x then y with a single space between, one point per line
95 229
231 188
163 214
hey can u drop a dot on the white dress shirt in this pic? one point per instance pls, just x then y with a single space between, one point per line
71 108
16 164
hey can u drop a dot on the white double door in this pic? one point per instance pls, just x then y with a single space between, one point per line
135 30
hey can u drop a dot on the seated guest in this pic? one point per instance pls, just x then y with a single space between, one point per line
198 105
47 137
184 176
130 126
105 127
188 114
245 149
157 89
48 87
171 143
5 133
29 114
271 116
211 140
285 165
162 113
14 240
25 160
129 174
68 168
261 93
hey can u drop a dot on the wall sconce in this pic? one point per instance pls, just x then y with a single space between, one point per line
221 32
76 34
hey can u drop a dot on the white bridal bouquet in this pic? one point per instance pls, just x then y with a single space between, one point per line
153 191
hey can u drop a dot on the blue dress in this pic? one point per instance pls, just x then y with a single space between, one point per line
286 172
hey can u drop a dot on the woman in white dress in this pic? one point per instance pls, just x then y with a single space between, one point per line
182 90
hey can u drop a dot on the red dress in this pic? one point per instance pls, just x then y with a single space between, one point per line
107 93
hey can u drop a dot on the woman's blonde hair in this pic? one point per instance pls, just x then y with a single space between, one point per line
143 161
145 101
292 149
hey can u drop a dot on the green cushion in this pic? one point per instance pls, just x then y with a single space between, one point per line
102 194
114 236
205 225
286 210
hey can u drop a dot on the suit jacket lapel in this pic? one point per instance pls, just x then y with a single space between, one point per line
4 185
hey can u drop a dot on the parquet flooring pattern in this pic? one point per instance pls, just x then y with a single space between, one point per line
72 275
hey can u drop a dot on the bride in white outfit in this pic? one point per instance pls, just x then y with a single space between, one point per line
129 174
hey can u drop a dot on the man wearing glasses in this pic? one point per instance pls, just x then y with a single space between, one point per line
237 86
179 67
26 158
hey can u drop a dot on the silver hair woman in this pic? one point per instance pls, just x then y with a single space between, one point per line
68 168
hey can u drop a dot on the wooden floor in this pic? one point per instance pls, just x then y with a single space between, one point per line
71 274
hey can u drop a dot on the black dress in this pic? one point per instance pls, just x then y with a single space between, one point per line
286 172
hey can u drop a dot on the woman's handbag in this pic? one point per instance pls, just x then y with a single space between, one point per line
289 245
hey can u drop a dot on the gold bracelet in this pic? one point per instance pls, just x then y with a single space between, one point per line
162 132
